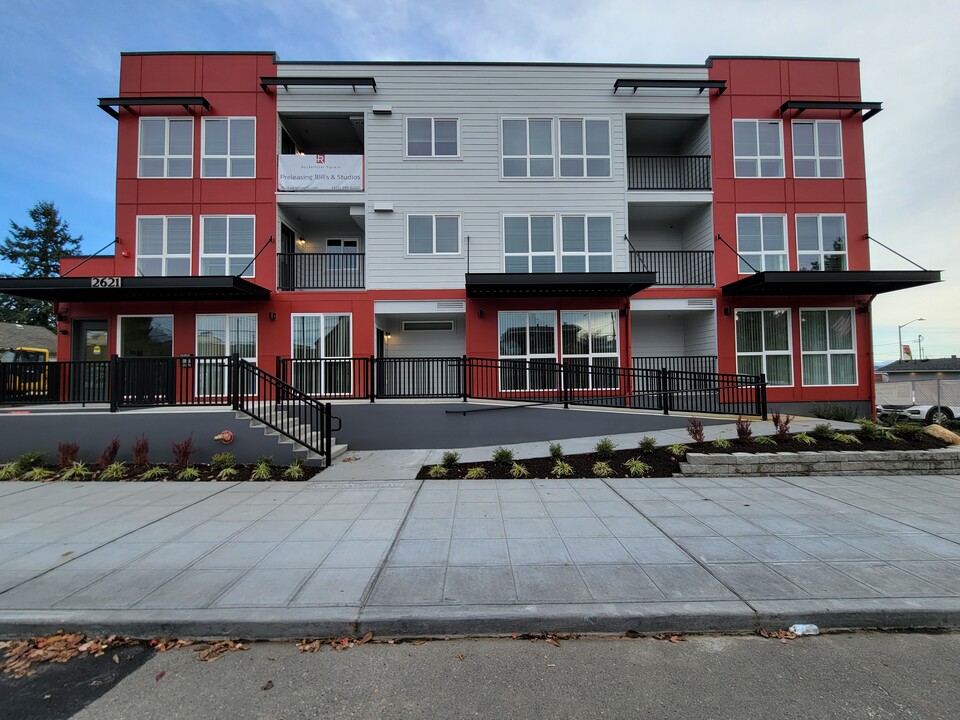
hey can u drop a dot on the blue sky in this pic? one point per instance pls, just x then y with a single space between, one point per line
59 56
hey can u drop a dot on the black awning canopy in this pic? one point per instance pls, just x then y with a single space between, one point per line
701 85
186 102
842 282
869 109
591 284
133 289
300 81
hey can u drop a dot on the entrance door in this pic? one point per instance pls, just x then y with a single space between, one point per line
288 273
91 357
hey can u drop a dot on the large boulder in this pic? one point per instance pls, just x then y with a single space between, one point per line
941 433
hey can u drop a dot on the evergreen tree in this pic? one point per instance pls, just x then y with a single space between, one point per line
37 251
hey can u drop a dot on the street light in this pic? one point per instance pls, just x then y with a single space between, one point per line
900 334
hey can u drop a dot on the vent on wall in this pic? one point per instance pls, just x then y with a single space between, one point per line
457 305
420 325
705 303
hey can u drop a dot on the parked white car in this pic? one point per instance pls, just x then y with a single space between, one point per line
930 413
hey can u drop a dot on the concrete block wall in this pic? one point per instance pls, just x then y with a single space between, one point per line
944 461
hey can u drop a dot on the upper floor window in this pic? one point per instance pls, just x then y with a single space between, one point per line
432 137
166 148
821 242
761 243
528 244
229 148
816 149
227 245
587 243
827 347
433 234
763 345
584 147
757 149
527 147
163 245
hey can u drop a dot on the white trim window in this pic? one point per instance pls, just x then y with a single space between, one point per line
764 344
166 148
145 335
529 244
433 234
821 242
433 137
528 351
817 149
229 147
827 347
217 338
757 149
584 147
589 347
526 146
321 351
227 245
163 245
761 243
587 243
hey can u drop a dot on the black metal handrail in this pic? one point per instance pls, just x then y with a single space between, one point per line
668 172
686 363
320 271
675 267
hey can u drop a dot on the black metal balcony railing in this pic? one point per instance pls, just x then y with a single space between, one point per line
676 363
668 172
675 267
320 271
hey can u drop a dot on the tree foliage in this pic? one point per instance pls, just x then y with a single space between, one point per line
37 250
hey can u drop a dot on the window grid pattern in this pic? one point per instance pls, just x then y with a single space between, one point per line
433 137
220 336
527 147
227 245
763 345
166 148
821 242
584 147
590 353
757 149
163 246
827 347
326 337
817 149
433 234
229 147
761 243
528 351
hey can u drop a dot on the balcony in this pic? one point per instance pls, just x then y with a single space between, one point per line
668 172
320 271
678 268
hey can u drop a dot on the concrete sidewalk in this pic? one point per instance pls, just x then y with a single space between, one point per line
472 557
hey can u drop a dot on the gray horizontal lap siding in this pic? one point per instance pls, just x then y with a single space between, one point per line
471 185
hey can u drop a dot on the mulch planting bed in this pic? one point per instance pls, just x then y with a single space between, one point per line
205 473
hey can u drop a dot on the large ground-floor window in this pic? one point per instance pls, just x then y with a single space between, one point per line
763 345
219 337
590 349
827 347
145 336
528 349
321 354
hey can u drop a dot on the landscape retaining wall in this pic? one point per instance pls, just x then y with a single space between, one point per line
944 461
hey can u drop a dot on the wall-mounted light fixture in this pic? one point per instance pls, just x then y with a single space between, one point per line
728 311
387 335
480 313
383 110
272 315
381 207
301 241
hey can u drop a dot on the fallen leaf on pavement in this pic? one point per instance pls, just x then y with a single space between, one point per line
460 657
164 644
160 675
214 651
17 657
268 685
781 635
671 638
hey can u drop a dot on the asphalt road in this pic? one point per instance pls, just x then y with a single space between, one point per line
863 675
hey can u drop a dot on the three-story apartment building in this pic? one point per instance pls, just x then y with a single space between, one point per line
707 218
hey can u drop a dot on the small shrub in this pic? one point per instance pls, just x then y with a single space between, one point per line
67 454
262 469
29 460
227 473
887 434
518 470
869 430
450 458
647 444
605 447
805 439
182 452
781 425
908 431
503 455
744 431
37 474
77 471
602 469
695 429
823 431
9 471
721 443
154 473
189 473
561 468
678 450
475 473
765 440
636 468
847 439
437 471
109 454
141 452
222 460
952 425
832 411
114 471
556 451
295 470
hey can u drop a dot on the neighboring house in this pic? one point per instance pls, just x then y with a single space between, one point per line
927 369
15 335
704 217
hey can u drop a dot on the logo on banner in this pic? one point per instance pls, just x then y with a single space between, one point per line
321 159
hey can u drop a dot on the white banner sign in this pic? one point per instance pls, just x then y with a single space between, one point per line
320 172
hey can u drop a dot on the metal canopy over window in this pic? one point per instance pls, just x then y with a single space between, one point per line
701 85
132 289
299 81
869 109
849 282
590 284
186 102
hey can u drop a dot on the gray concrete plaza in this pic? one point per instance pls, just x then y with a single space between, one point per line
489 556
